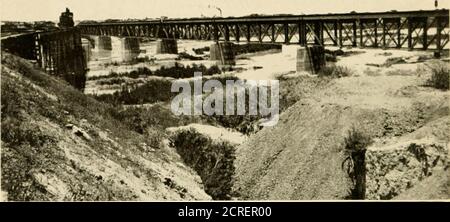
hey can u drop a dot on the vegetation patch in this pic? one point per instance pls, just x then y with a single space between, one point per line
439 76
254 47
153 90
355 145
212 160
335 71
177 71
239 49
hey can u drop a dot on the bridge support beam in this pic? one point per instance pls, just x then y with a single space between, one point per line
86 44
130 48
103 43
166 46
238 33
310 59
223 53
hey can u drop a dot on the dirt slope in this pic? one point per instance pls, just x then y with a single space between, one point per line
58 144
301 157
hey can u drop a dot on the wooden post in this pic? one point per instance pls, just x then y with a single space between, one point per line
248 33
399 33
336 35
361 27
355 35
425 33
318 40
259 32
216 32
439 29
286 33
410 29
302 33
273 32
340 34
376 33
227 33
384 34
238 34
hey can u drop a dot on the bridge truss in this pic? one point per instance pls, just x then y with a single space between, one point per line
411 29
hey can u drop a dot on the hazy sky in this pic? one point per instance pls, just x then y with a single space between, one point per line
32 10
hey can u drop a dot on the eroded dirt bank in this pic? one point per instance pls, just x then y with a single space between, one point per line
59 144
302 157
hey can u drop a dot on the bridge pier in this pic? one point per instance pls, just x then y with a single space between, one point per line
103 43
223 53
310 59
86 45
130 48
166 46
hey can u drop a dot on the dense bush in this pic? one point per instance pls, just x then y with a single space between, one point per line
440 76
244 48
201 51
184 55
140 119
177 71
245 124
335 71
159 90
254 47
212 160
355 145
154 90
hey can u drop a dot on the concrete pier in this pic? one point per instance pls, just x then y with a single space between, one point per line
86 49
310 59
103 43
166 46
223 53
130 48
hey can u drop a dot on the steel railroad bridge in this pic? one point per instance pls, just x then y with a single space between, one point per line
406 29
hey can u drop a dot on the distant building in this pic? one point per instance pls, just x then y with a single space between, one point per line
66 19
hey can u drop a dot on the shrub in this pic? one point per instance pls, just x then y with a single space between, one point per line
335 71
212 160
355 145
201 51
184 55
154 90
254 47
440 76
177 71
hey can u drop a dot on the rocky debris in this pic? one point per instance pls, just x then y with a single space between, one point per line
146 148
79 132
52 184
400 60
393 169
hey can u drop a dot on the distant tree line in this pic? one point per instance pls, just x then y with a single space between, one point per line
177 71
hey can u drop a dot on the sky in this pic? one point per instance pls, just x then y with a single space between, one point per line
38 10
